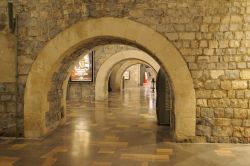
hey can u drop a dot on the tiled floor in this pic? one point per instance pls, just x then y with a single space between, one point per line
121 132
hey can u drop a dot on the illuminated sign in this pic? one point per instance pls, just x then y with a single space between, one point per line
83 70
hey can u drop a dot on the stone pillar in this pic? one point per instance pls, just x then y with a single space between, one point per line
7 75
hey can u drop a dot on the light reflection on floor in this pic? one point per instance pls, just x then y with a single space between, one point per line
120 132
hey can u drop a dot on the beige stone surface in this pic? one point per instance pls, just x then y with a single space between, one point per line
134 76
212 37
118 71
49 58
7 57
101 92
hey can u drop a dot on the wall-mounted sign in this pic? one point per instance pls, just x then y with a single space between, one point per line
126 75
83 70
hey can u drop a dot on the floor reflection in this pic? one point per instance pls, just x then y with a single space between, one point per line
125 123
120 132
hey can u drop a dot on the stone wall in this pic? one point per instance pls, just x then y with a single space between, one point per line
134 77
3 16
7 75
80 92
8 109
86 91
213 37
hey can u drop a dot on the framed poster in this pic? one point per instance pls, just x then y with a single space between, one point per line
83 70
126 75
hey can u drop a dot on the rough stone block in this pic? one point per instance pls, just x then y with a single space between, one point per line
222 65
215 74
219 113
226 85
172 36
226 122
240 113
218 103
196 74
247 18
187 36
214 59
190 58
203 94
214 27
237 122
239 84
198 112
247 132
226 19
232 65
235 27
203 44
186 51
222 122
234 43
218 121
2 108
203 66
212 84
204 28
6 97
207 113
222 131
192 27
11 107
240 94
247 34
245 74
213 44
224 139
231 94
202 102
218 94
224 27
211 66
241 65
229 113
232 74
238 132
248 8
239 103
236 19
203 58
239 35
216 19
202 130
246 123
192 66
2 87
10 87
223 43
209 51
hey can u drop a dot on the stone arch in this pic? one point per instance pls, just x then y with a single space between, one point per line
92 32
126 63
101 91
116 75
143 58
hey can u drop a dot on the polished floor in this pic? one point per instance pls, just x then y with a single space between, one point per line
121 132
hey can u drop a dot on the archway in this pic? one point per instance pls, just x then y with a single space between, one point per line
125 57
117 73
92 32
101 91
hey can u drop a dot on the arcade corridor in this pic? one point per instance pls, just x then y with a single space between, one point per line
121 132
